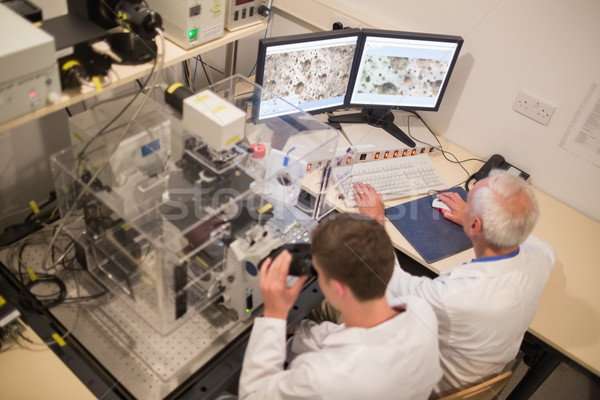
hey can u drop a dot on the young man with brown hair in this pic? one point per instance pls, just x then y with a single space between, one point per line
382 351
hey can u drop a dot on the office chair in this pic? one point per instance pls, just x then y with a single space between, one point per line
487 390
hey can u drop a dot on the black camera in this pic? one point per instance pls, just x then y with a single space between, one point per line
301 259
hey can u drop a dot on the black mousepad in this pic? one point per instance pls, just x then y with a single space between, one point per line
426 229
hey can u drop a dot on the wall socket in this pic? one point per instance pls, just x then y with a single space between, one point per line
533 108
346 22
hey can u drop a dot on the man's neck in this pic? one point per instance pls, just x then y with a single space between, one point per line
367 314
485 250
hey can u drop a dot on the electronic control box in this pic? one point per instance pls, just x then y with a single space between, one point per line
28 68
190 23
242 13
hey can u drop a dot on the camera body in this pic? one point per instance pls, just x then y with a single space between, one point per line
301 259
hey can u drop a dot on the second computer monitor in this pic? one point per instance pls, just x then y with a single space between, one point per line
310 71
403 70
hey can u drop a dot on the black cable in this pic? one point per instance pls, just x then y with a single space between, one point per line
439 147
68 112
69 300
204 69
25 338
112 121
186 74
39 302
51 199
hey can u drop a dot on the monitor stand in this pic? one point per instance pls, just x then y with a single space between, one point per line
381 118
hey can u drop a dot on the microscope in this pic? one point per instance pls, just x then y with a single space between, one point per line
174 218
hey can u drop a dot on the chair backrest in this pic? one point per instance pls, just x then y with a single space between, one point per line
487 390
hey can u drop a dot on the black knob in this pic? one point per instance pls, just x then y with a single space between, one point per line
263 10
337 25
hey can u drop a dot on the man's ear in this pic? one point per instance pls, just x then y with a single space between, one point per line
340 288
475 226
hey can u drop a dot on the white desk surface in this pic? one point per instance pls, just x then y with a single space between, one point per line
568 316
129 73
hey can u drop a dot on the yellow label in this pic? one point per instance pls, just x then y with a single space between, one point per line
2 301
173 87
146 280
234 139
97 83
201 261
34 207
201 98
126 227
32 275
217 109
59 340
267 207
70 64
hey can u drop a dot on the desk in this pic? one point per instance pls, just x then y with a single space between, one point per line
568 316
129 73
30 371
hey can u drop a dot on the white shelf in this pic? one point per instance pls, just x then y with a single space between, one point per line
128 73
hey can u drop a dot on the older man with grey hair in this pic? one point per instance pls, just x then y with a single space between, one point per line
485 306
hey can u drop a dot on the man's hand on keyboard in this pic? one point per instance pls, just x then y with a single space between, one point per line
369 202
456 204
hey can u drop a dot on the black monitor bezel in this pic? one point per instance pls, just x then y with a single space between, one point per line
428 37
265 43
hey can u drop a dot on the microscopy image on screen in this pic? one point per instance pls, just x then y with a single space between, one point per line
309 76
402 76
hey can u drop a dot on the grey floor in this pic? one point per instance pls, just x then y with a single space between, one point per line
564 383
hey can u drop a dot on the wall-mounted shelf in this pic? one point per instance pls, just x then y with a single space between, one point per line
128 73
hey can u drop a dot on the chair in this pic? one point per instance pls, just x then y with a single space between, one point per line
487 390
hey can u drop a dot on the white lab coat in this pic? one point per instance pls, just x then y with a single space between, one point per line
483 309
397 359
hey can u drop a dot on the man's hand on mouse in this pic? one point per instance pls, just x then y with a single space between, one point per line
369 202
456 204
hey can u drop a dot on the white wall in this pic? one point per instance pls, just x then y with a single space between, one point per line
547 48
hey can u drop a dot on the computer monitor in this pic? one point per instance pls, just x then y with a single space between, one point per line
310 71
399 70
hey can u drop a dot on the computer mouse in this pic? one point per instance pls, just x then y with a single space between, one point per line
440 205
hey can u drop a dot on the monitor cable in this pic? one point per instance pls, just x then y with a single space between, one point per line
439 147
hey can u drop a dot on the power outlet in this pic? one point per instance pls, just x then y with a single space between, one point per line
533 108
344 21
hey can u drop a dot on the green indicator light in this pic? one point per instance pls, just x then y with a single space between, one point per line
191 33
247 310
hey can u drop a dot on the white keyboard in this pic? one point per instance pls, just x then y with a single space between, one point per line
393 178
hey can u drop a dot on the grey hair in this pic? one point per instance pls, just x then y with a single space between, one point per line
507 207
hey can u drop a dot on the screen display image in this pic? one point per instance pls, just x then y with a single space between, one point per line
309 71
404 70
399 70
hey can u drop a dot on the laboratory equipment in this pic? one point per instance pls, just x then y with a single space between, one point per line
28 69
177 241
189 23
